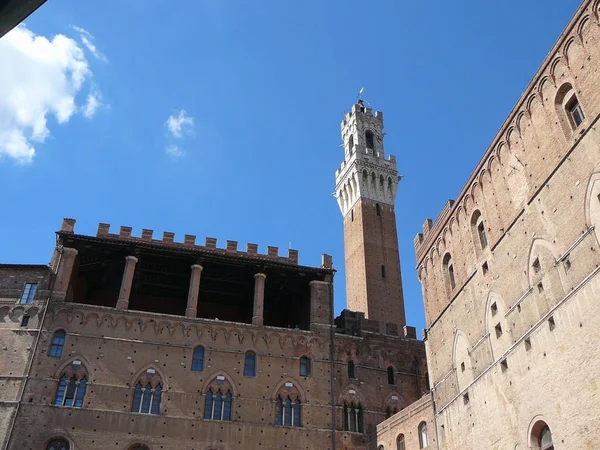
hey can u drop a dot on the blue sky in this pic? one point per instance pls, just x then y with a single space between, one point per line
263 87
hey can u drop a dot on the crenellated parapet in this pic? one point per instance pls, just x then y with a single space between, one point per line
365 172
210 245
537 135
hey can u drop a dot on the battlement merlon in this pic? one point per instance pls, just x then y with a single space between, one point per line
431 230
365 112
189 242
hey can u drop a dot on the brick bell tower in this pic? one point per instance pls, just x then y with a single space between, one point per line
365 190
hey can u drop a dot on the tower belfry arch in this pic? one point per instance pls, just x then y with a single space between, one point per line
366 185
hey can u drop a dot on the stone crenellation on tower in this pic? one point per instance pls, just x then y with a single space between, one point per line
366 187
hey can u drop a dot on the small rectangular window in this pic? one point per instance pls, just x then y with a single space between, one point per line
482 236
485 268
382 271
462 366
504 365
304 366
451 276
551 323
575 112
527 344
28 293
498 330
537 267
466 398
540 287
25 321
494 308
567 263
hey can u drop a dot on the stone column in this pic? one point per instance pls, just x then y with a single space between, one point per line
126 282
259 299
64 272
192 301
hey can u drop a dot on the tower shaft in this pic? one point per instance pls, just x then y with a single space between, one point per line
366 190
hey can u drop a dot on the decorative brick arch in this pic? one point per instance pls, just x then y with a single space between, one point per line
283 391
592 204
142 376
68 368
460 357
212 382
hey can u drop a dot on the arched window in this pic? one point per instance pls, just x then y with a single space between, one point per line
139 447
198 359
575 112
351 369
147 393
449 272
541 437
58 342
70 392
72 386
304 366
568 108
400 442
479 229
351 144
250 364
391 376
423 438
58 444
288 412
389 411
381 447
218 404
353 418
369 139
546 439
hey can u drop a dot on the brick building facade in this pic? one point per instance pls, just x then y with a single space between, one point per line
143 343
509 273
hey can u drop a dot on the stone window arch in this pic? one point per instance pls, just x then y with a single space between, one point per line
423 436
400 442
218 404
58 343
147 393
461 360
58 443
72 386
353 417
198 359
288 402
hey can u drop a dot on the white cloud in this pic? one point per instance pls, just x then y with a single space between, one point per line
92 103
40 79
87 38
180 125
174 151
